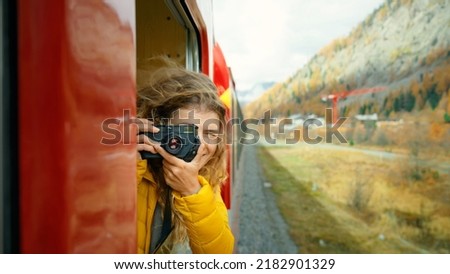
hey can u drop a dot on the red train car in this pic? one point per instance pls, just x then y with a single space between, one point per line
67 66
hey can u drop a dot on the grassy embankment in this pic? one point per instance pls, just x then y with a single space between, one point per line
350 202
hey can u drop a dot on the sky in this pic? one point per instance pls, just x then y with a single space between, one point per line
269 40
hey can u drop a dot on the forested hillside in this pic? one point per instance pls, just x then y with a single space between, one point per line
404 45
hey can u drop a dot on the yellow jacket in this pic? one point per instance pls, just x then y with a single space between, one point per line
204 214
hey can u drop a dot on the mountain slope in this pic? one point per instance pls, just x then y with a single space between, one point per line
403 45
246 96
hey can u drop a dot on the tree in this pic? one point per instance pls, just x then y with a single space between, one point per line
397 104
433 97
362 109
447 117
409 102
388 106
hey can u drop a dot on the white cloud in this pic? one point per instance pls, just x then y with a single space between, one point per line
269 40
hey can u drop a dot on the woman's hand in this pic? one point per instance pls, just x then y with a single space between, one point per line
181 176
143 142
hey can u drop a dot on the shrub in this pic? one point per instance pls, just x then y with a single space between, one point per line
447 117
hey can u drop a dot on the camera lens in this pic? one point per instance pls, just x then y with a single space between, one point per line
174 145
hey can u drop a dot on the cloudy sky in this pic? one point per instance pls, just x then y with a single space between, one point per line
269 40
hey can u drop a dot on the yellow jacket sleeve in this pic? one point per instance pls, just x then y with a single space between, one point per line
141 169
206 219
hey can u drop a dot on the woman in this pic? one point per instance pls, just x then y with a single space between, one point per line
189 191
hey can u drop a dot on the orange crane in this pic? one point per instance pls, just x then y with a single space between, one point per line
335 97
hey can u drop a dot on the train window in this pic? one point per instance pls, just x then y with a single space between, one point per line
163 28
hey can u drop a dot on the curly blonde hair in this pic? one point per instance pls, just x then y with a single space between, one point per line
167 90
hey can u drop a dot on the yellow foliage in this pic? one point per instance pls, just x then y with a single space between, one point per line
406 2
415 88
302 87
381 14
395 54
327 51
427 81
335 46
442 77
331 80
295 87
434 55
389 103
436 131
399 52
316 79
357 33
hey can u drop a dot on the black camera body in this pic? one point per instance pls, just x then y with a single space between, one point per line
179 140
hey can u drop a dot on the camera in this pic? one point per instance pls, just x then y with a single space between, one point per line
179 140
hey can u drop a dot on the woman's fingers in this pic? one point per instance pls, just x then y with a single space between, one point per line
201 153
144 143
181 179
146 147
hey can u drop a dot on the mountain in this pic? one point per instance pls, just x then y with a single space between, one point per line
404 45
246 96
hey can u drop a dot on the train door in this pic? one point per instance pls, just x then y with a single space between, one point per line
76 75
